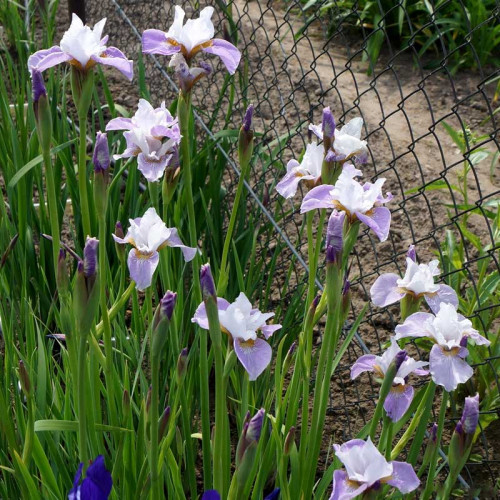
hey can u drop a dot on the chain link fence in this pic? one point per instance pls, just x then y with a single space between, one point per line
421 77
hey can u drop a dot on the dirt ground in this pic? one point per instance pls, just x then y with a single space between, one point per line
403 106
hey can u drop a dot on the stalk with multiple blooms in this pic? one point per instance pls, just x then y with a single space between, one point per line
156 378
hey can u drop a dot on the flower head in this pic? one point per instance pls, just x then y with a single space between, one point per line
97 484
190 38
243 323
449 331
347 141
417 281
359 201
153 135
148 235
82 47
309 169
366 468
401 394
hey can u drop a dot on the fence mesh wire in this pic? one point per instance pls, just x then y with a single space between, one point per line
301 56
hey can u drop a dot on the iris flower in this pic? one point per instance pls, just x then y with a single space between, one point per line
450 333
401 394
148 235
347 141
82 47
367 469
96 485
359 201
190 38
153 135
243 323
417 281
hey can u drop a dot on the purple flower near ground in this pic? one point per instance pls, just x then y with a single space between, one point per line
347 141
359 202
243 323
401 394
82 47
153 135
190 38
417 281
97 484
450 332
366 469
148 235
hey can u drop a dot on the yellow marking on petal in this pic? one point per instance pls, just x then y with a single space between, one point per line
199 47
143 256
398 388
247 344
378 371
450 352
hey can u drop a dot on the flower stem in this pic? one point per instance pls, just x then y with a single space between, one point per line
82 175
429 485
153 457
82 380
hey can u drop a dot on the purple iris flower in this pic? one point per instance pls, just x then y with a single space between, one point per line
417 281
148 235
309 169
190 38
401 394
366 469
188 76
450 332
96 485
82 47
347 141
153 135
359 202
243 322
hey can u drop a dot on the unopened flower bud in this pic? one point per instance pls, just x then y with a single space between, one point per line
245 140
247 444
41 108
182 364
328 125
167 304
289 356
399 359
433 432
162 425
289 441
255 426
335 237
411 253
207 282
24 379
100 158
161 321
90 257
470 415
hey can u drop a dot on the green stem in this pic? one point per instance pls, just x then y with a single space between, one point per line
108 346
155 368
82 176
30 432
82 382
116 308
429 485
205 412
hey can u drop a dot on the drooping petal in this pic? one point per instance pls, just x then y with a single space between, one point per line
318 197
414 326
385 290
47 58
200 316
379 221
142 268
228 53
477 338
449 369
155 42
175 241
116 58
98 482
363 364
287 187
152 168
403 477
343 489
254 355
445 294
268 330
119 123
398 401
